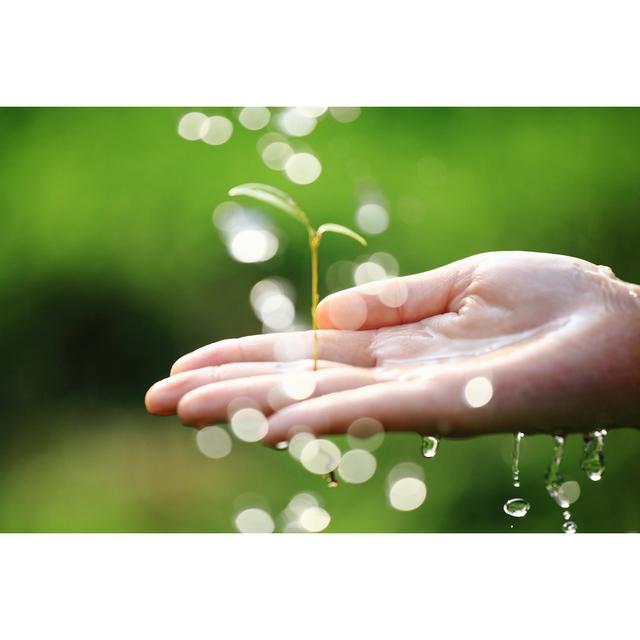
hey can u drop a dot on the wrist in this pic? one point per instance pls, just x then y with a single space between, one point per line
624 357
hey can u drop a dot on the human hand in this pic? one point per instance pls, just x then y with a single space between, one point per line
505 341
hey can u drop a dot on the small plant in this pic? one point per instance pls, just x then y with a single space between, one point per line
280 200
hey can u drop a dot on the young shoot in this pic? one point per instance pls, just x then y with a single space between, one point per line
280 200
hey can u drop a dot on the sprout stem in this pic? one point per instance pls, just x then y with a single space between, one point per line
314 243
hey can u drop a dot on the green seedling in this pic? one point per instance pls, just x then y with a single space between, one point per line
280 200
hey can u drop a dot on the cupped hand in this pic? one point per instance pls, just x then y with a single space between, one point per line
506 341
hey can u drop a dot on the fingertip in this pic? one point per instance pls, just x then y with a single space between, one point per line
178 366
189 409
148 401
153 404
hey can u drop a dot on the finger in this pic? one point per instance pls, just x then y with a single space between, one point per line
438 402
337 346
397 300
210 403
162 398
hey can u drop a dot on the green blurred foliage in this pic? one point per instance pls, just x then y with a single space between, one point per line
110 268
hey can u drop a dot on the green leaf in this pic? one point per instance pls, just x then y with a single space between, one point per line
343 231
274 197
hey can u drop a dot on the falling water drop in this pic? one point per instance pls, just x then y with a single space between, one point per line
515 461
553 479
516 507
430 446
559 491
593 455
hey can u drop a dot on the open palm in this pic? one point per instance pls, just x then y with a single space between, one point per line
496 342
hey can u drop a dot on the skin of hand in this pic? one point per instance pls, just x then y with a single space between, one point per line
557 338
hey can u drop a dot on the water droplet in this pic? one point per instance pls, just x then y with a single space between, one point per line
282 445
553 479
430 446
593 455
516 507
515 461
563 493
332 483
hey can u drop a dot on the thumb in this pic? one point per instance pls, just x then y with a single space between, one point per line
396 300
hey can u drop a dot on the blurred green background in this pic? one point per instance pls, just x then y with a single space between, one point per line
110 268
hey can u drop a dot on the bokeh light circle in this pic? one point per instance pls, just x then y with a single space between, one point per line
299 385
478 391
365 433
254 520
345 114
296 122
298 442
349 314
217 130
276 154
254 118
372 218
314 519
320 456
367 272
303 168
393 294
253 245
192 125
357 466
249 424
407 494
214 442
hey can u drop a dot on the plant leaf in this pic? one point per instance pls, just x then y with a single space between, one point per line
274 197
343 231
